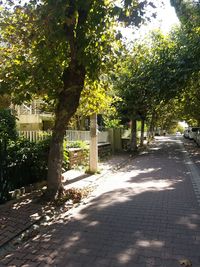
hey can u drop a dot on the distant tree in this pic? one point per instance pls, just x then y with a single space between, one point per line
149 76
188 39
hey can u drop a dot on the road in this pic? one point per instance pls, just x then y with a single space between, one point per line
145 214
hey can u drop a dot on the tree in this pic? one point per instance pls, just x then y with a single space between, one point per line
147 78
187 11
50 48
7 133
187 38
4 101
190 102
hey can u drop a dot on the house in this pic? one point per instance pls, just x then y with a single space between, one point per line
31 117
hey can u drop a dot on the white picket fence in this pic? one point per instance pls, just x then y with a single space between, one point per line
77 135
33 135
71 135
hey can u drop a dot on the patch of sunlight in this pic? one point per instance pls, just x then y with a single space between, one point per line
154 185
35 216
114 197
155 148
19 205
148 170
124 258
71 240
84 251
150 243
135 173
124 192
94 223
187 221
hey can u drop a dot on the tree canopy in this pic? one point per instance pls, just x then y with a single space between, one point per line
50 48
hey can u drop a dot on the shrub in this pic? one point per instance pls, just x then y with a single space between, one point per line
25 163
28 161
7 133
76 144
7 125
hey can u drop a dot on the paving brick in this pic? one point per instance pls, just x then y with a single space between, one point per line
145 214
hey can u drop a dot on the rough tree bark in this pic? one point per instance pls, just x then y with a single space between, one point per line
151 128
68 102
142 132
133 145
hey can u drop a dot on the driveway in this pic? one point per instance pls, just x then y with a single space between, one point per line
143 215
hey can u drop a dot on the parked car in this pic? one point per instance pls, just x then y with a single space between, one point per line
198 137
193 133
186 133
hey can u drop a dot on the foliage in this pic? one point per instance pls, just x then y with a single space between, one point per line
188 38
48 48
4 101
95 98
41 38
139 126
159 80
180 128
167 115
7 133
187 11
76 144
190 102
82 157
147 77
25 164
73 194
98 97
7 125
112 123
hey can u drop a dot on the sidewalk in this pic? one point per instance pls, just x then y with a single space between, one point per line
18 216
144 214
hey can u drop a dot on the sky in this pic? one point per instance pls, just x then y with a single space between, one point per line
167 17
165 20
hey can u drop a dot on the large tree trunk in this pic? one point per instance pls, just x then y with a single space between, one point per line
68 99
142 132
151 128
133 145
68 102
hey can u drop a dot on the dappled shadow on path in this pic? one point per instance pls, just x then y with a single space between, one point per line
76 179
124 228
143 215
16 216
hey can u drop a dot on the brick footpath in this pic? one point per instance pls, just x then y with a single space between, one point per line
145 214
15 217
19 215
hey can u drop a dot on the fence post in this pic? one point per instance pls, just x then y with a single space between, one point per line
111 139
93 144
118 139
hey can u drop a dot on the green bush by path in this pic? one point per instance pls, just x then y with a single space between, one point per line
8 133
25 163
